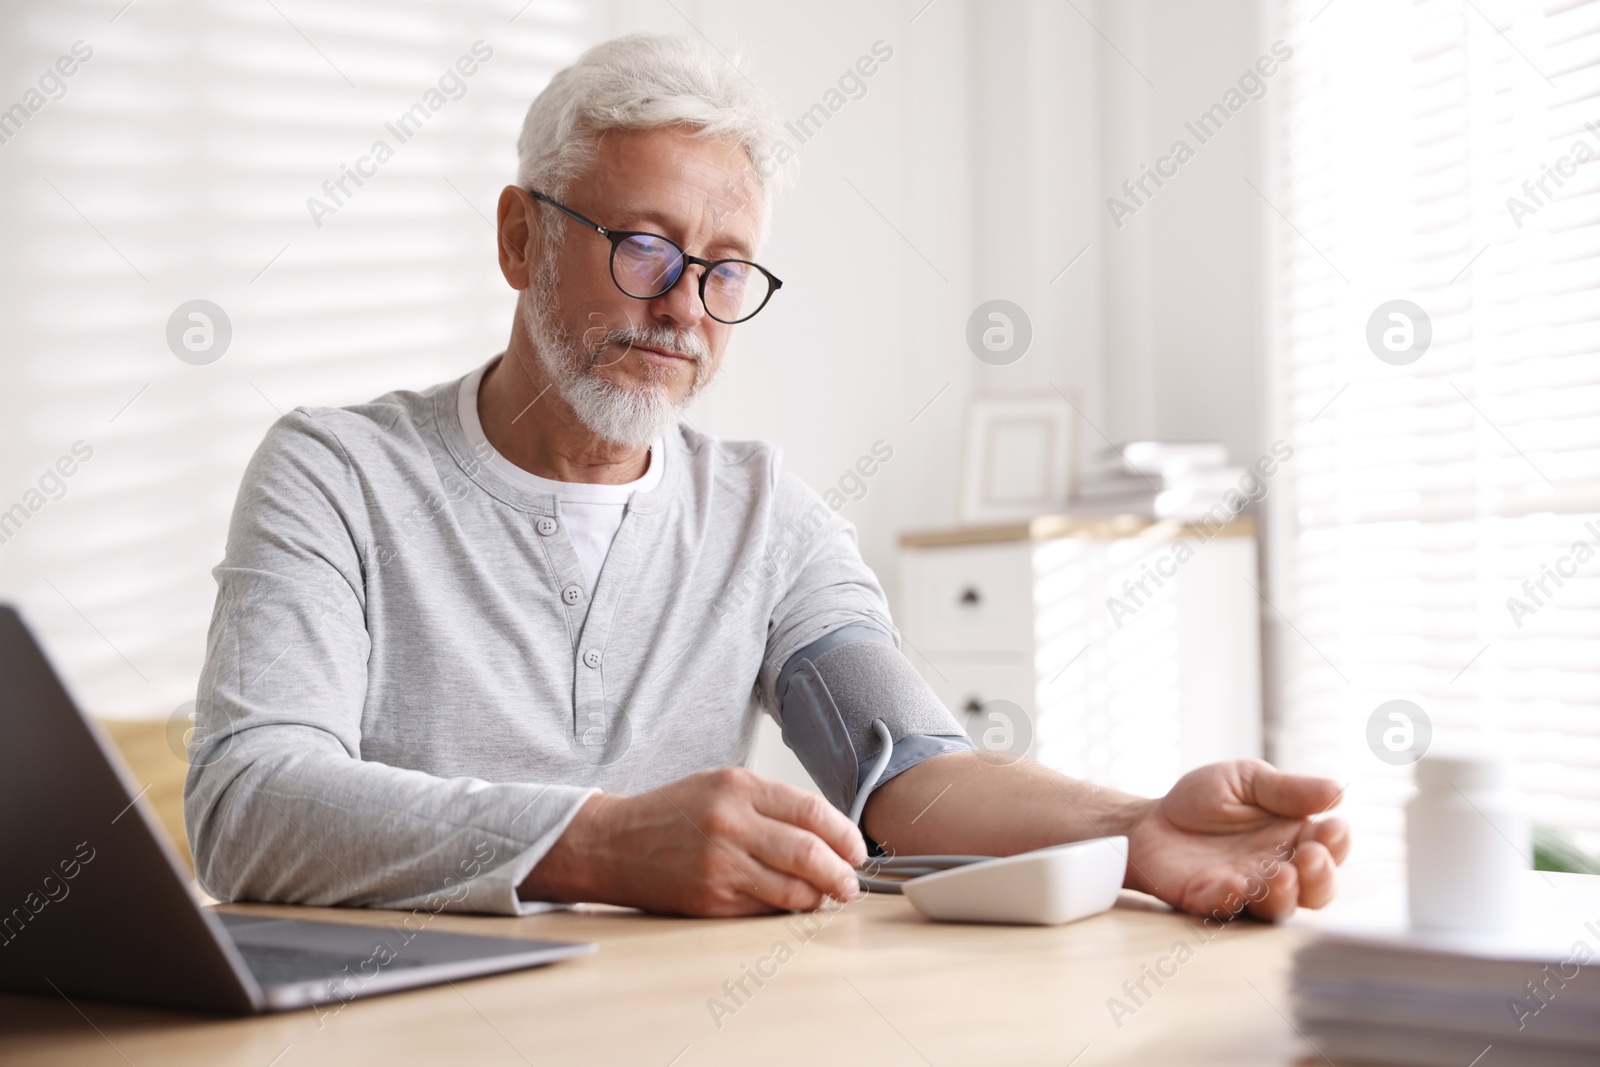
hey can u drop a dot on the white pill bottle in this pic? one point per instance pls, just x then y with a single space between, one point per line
1466 840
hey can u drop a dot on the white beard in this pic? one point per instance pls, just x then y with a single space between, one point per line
633 417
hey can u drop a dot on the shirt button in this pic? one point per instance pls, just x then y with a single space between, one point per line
591 658
546 526
572 594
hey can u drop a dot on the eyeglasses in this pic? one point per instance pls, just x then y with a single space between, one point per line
647 265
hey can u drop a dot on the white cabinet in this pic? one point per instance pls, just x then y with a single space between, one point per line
1132 647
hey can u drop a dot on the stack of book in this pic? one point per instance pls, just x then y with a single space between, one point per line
1160 479
1369 989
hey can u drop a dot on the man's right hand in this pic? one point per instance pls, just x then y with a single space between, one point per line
717 843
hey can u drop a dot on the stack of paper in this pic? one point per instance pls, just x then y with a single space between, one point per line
1162 479
1368 989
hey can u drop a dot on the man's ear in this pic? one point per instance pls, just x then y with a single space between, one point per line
517 230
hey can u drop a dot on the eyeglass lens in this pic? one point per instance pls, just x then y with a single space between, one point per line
645 267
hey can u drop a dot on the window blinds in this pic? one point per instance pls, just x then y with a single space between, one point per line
184 160
1446 153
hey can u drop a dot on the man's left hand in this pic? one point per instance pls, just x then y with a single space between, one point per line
1238 837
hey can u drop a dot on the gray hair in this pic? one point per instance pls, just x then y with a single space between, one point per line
647 81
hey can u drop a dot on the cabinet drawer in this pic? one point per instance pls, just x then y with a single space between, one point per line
969 599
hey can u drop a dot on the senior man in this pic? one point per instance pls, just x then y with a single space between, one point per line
508 639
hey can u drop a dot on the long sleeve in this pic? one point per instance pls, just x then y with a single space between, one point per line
279 802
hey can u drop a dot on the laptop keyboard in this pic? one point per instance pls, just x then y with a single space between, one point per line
273 965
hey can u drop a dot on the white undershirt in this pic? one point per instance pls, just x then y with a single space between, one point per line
591 512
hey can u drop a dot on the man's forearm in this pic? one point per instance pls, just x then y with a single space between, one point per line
283 813
964 803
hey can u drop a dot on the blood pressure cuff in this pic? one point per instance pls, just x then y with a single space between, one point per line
830 691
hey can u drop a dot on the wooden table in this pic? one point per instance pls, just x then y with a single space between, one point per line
874 984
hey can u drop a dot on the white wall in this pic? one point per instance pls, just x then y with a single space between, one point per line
991 142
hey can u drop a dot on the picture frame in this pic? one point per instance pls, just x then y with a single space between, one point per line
1018 456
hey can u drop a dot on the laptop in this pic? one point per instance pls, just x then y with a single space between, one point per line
93 902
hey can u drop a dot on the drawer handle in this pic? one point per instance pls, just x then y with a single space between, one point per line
972 706
969 597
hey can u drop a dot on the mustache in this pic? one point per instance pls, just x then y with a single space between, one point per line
598 340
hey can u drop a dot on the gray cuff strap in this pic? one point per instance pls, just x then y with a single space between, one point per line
831 690
844 635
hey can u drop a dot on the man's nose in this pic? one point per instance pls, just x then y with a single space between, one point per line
681 305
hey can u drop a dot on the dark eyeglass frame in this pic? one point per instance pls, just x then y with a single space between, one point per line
616 237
